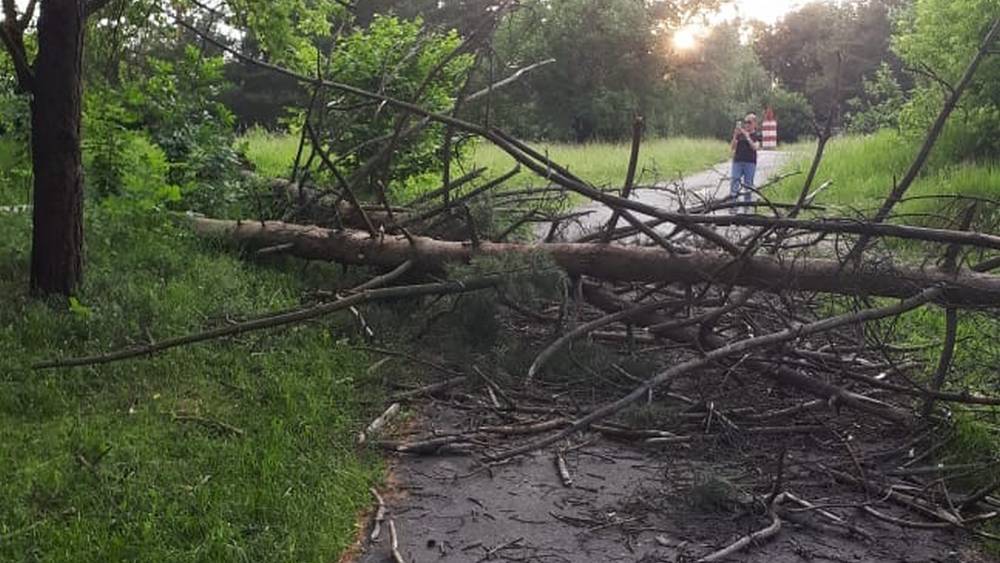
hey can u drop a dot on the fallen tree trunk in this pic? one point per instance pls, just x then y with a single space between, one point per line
615 263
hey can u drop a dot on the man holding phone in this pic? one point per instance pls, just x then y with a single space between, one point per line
746 142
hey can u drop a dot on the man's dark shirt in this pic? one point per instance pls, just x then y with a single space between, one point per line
744 151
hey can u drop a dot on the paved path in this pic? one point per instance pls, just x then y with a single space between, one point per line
709 184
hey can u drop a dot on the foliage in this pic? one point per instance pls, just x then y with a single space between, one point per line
15 121
151 142
95 463
716 85
259 97
296 34
400 59
15 173
290 33
943 36
608 68
106 140
125 35
178 105
880 105
801 50
793 112
14 111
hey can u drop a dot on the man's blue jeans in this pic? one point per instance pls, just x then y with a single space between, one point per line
743 173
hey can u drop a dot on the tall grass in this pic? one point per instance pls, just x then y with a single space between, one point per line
602 164
273 154
862 170
605 164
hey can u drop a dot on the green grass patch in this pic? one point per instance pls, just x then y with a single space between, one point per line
138 460
273 154
863 169
602 164
605 164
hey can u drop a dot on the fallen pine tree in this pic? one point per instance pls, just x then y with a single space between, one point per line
614 263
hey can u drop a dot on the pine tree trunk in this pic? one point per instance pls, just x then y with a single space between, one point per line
57 240
614 262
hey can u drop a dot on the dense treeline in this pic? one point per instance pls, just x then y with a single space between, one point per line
162 106
613 60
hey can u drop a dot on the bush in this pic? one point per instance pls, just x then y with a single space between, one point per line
879 107
944 35
180 109
794 114
394 57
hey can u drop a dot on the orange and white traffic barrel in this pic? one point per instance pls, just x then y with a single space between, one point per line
769 129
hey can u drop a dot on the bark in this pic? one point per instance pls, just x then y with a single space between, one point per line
616 263
57 238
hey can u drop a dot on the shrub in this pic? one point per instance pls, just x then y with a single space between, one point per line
793 112
879 107
395 57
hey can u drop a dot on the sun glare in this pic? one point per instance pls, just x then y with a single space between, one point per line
685 39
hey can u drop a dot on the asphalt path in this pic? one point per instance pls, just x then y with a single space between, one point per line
707 185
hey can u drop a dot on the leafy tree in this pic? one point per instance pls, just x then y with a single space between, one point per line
401 59
937 38
801 51
259 97
794 113
607 67
461 15
880 105
716 85
54 79
292 33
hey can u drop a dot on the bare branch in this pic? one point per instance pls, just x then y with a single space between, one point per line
740 347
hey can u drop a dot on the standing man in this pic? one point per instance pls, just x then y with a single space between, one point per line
746 142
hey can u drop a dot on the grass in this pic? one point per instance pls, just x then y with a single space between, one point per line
605 164
602 164
99 464
272 153
863 168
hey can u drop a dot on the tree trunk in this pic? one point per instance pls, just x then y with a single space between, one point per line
57 239
615 263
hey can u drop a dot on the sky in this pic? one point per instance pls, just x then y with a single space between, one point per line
768 11
765 10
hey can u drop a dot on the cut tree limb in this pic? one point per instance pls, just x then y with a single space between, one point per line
616 263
